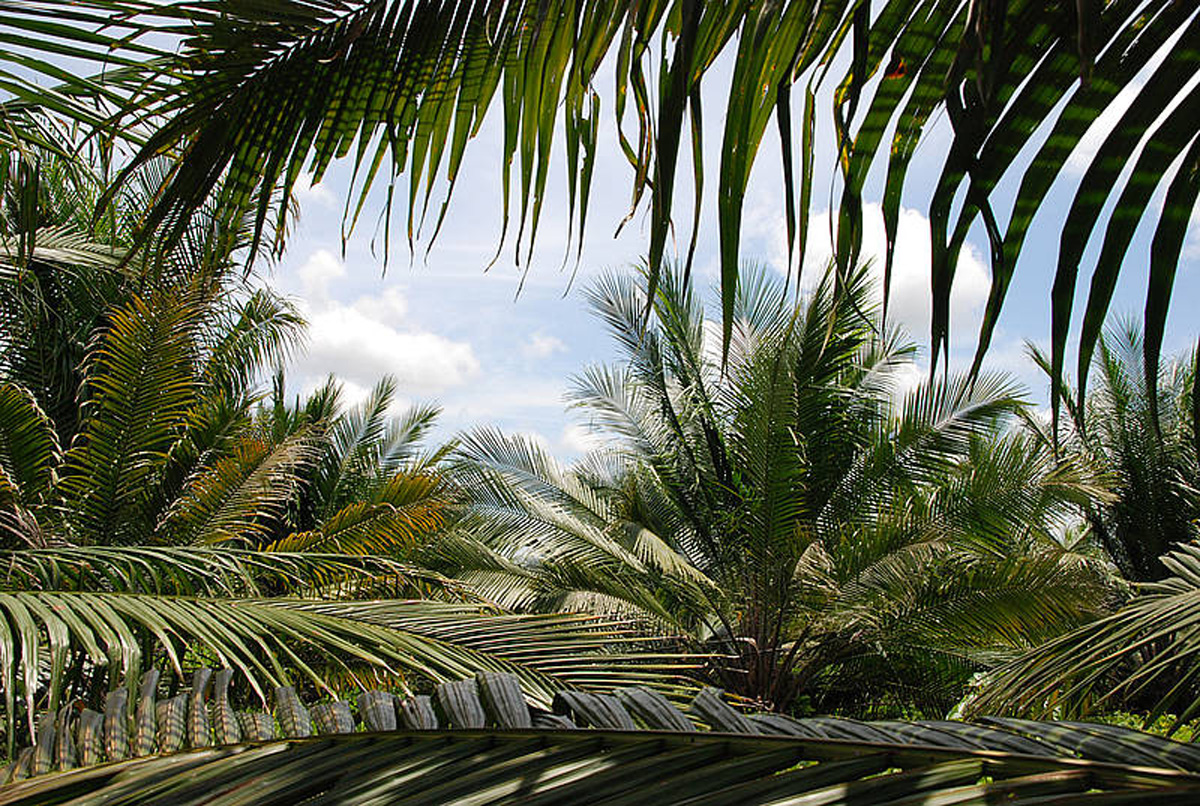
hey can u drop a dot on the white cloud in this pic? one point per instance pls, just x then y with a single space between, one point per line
909 303
363 340
321 269
577 438
540 345
390 307
319 195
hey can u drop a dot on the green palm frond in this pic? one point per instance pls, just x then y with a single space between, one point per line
1139 437
242 497
29 460
405 512
256 97
553 539
60 246
367 446
491 753
55 640
263 330
220 572
140 389
563 648
29 449
1145 653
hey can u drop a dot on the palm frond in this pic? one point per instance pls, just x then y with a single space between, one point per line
395 521
1144 653
53 638
262 330
29 449
220 572
242 497
140 389
488 743
401 88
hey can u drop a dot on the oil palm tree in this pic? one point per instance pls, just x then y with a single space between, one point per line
1142 436
254 96
784 509
174 517
1143 655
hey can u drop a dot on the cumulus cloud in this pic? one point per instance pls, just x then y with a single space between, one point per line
363 340
540 345
909 304
319 195
577 438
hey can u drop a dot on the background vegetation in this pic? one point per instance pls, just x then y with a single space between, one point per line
770 512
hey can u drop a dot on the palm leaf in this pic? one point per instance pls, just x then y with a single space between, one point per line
29 457
398 518
490 753
273 642
1146 652
242 497
221 572
410 83
140 390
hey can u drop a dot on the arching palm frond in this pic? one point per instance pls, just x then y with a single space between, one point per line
53 642
551 539
219 572
1141 438
29 457
262 331
1145 654
351 463
243 496
29 449
552 649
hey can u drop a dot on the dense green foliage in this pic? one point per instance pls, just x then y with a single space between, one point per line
158 508
825 532
774 509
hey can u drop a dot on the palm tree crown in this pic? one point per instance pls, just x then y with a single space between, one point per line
786 509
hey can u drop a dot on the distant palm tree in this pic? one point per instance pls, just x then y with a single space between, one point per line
786 509
1143 437
1145 655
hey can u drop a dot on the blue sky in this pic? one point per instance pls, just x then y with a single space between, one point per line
452 333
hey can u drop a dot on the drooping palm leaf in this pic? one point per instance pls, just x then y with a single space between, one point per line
483 743
221 572
48 638
29 457
259 96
